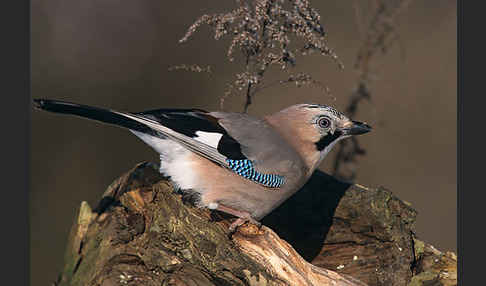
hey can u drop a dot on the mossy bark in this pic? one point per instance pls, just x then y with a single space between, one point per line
144 233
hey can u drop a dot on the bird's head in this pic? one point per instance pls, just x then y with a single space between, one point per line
314 129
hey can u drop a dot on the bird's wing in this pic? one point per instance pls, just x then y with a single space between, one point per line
260 143
237 141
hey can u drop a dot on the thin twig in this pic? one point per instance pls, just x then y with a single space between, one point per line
248 98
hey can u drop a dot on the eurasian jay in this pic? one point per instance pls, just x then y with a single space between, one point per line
232 162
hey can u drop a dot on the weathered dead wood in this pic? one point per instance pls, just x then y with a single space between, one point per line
143 233
364 232
433 267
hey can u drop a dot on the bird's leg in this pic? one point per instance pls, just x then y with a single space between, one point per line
242 217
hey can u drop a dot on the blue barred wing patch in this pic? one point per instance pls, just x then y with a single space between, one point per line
245 169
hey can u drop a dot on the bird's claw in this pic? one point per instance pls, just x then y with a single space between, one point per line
240 221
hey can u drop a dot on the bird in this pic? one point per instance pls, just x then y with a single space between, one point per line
232 162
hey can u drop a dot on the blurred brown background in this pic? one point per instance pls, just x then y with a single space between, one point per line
115 54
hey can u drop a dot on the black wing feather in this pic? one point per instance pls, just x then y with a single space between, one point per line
189 121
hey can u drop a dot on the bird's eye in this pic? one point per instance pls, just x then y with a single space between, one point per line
324 122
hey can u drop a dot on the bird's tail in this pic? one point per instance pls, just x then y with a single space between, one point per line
123 119
132 121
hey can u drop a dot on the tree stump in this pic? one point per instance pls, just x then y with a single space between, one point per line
330 233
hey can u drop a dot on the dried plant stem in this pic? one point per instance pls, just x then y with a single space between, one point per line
248 98
380 35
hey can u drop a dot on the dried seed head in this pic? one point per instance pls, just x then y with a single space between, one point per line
267 33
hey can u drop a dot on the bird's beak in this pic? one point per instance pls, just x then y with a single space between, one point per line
356 128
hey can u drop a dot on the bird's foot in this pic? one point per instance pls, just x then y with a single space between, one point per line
242 220
243 217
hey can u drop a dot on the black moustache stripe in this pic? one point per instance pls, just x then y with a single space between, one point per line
327 140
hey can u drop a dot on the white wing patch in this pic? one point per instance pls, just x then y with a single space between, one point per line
209 138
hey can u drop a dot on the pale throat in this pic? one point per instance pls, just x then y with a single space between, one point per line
326 151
